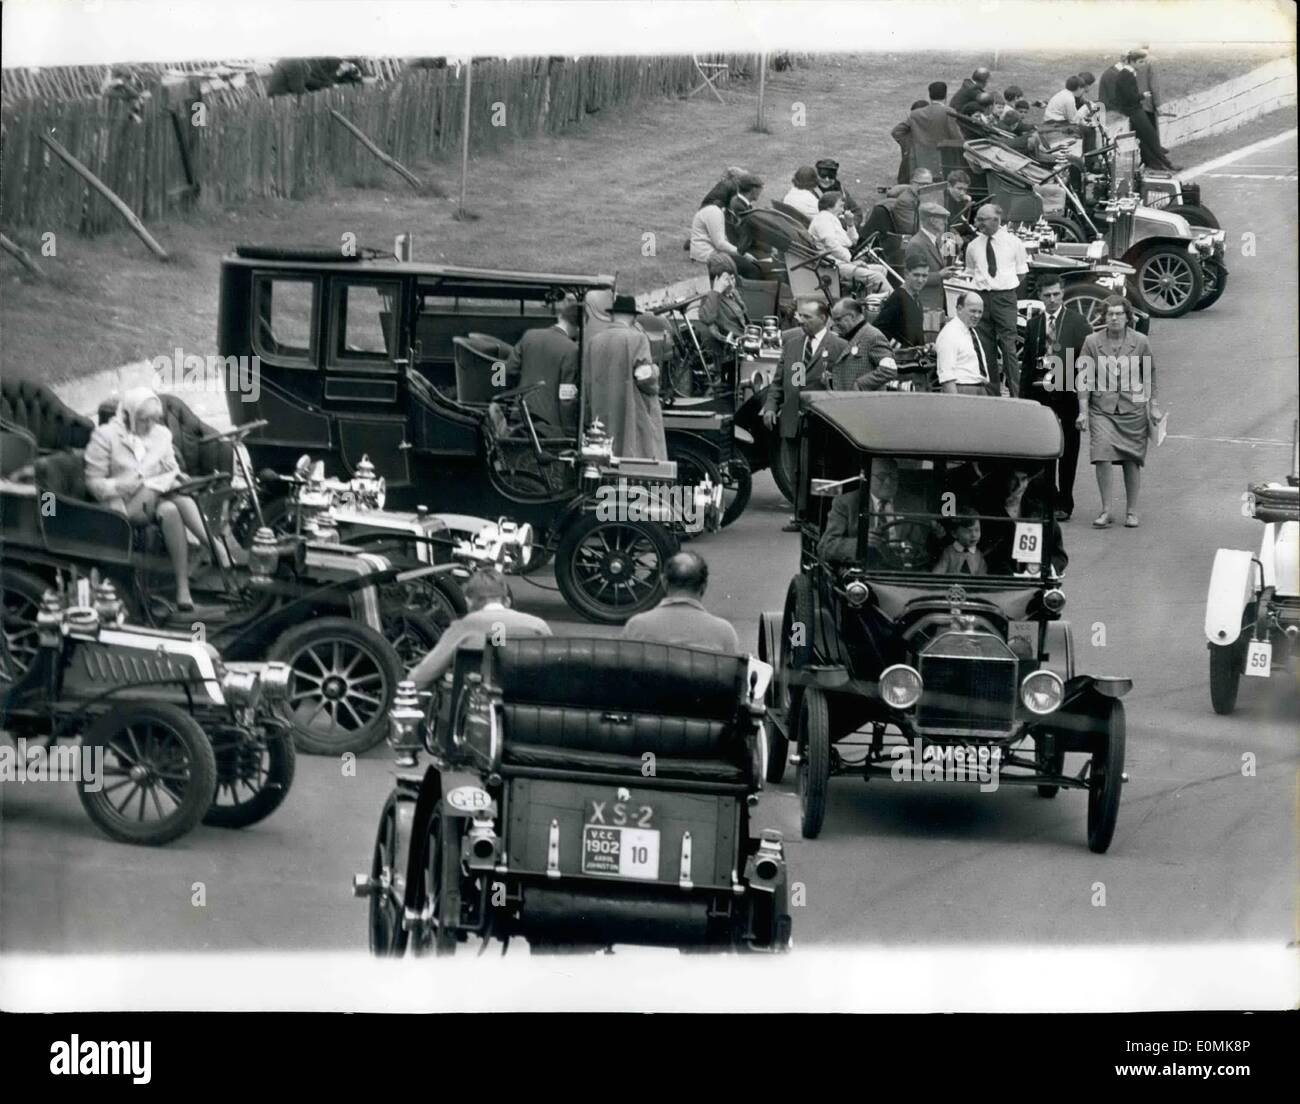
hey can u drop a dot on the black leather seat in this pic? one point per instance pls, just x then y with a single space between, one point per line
51 422
604 704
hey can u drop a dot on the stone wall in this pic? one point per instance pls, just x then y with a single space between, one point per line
1229 105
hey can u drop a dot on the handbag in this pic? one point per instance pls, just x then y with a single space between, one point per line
1157 424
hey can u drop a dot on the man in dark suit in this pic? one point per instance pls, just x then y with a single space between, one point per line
550 357
925 243
807 353
901 318
924 128
868 362
1054 334
970 88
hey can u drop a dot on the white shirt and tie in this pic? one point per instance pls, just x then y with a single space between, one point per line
960 355
1061 108
997 262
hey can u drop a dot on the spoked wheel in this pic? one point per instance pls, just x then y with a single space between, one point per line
1089 300
387 935
21 594
412 633
610 570
1168 282
1195 214
441 862
1215 276
778 744
341 683
159 774
253 778
1048 760
814 760
1106 778
738 486
1067 229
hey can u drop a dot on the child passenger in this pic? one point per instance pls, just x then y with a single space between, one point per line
962 556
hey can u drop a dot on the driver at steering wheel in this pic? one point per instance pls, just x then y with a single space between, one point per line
131 465
839 541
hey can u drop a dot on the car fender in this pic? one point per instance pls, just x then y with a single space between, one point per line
1058 643
413 829
1232 589
1087 697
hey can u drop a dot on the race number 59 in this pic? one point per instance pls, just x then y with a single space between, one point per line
1259 658
1027 546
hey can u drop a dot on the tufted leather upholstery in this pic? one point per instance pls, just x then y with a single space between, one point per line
37 409
64 473
196 458
603 704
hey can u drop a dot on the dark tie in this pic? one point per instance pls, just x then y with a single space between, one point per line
1051 329
990 257
965 565
979 355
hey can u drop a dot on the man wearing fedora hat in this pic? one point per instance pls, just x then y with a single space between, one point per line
620 385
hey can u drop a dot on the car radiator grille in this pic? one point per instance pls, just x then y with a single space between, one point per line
967 695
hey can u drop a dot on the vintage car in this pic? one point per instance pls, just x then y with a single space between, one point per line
900 651
312 605
405 363
1177 267
172 734
579 793
1252 612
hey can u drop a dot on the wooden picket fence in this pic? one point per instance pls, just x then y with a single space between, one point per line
289 147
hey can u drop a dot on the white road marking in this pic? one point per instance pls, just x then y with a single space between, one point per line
1249 176
1228 440
1236 155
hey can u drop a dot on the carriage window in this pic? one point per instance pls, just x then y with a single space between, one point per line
364 318
285 314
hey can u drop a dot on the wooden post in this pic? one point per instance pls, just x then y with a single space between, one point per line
762 81
359 135
464 138
23 257
103 189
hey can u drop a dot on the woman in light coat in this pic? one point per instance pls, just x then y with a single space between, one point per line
130 464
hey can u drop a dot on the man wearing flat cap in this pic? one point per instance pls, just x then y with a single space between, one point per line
925 244
620 385
828 180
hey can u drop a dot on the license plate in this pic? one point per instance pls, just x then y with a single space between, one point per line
1027 546
1259 658
620 850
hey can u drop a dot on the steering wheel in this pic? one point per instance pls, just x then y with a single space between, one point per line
235 433
190 486
903 544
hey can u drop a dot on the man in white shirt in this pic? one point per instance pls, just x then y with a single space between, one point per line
963 369
996 260
831 236
1063 107
709 234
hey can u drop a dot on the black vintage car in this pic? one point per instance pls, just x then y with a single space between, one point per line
579 792
923 630
314 606
404 363
173 735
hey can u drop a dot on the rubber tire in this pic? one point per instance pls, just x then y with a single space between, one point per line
1067 229
294 639
424 631
198 794
1096 293
686 456
384 944
1164 250
742 478
283 758
778 746
784 480
1103 801
31 589
665 545
1196 214
815 761
1215 287
1225 676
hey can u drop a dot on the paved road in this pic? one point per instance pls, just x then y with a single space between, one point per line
1201 852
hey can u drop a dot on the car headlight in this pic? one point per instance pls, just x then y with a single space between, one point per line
1203 244
1042 691
857 592
1096 250
239 686
1054 599
900 686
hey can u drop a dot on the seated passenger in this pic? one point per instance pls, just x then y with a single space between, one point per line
680 616
961 556
1013 495
902 316
490 619
831 235
722 311
550 357
130 464
802 195
839 541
